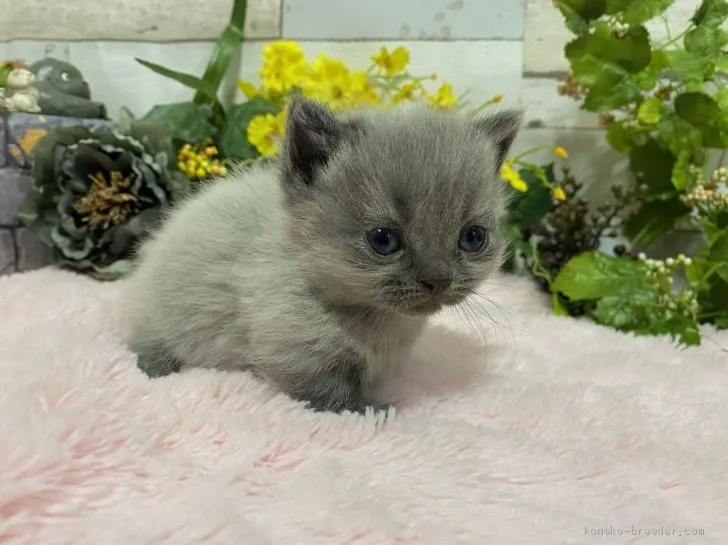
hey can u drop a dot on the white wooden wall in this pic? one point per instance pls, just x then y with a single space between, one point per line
508 47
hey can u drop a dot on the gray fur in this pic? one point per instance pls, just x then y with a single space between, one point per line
270 270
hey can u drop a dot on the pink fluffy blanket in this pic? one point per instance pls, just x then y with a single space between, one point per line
553 431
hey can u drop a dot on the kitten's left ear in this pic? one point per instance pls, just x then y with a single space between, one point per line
501 128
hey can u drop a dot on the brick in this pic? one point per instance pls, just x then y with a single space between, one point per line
403 19
14 184
7 251
32 253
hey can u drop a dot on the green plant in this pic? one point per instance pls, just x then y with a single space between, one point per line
665 105
205 116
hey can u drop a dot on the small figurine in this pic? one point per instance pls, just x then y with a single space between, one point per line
63 91
17 92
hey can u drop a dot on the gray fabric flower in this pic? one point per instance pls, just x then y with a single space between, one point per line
95 194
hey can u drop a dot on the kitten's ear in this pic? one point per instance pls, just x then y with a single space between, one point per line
501 128
312 134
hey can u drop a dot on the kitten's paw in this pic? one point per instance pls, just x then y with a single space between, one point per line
357 406
377 408
156 362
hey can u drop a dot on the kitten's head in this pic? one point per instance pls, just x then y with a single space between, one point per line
396 209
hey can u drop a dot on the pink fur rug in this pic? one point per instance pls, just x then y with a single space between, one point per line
553 432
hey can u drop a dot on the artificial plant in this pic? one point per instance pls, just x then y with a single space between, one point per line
663 103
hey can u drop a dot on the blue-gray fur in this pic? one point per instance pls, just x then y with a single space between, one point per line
270 269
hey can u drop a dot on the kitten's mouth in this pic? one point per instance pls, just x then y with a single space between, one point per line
425 308
431 305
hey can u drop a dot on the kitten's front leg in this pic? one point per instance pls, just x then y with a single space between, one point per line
336 388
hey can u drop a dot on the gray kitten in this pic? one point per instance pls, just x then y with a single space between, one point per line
319 273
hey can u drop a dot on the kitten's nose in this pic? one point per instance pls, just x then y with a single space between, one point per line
436 285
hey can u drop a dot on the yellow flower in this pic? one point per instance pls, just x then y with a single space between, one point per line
558 193
328 80
361 91
444 97
284 64
248 89
496 99
511 175
561 152
264 132
392 63
406 92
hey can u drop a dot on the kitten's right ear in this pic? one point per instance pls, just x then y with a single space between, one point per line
312 135
501 128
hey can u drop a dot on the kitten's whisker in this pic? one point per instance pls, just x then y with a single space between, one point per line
478 308
507 314
483 302
472 324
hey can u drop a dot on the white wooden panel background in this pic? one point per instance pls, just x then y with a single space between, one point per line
511 47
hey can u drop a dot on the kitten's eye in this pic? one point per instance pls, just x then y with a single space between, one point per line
473 238
383 241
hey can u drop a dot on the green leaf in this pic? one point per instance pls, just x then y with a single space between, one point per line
635 12
690 336
677 135
718 293
653 220
652 164
689 67
705 41
188 122
557 306
631 51
530 207
681 171
593 275
201 86
650 111
711 13
696 273
573 21
721 322
721 220
225 49
234 134
721 97
619 137
578 12
625 311
613 89
682 329
719 248
721 63
697 108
